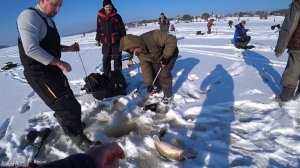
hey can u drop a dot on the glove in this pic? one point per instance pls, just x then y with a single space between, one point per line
164 61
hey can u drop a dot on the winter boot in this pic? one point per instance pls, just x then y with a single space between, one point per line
287 94
82 142
250 46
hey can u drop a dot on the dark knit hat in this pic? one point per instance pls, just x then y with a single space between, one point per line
107 2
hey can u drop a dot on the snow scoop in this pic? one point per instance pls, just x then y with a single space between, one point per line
31 137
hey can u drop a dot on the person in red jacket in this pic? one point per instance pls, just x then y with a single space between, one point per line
110 29
210 23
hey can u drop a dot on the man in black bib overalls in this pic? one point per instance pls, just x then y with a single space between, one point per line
40 52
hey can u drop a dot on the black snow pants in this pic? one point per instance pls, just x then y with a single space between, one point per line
109 53
53 88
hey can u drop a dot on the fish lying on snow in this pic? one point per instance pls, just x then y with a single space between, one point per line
169 151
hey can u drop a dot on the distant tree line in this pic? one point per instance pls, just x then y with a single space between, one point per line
261 14
141 23
205 16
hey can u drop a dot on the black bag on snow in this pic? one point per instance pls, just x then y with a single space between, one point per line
98 85
101 86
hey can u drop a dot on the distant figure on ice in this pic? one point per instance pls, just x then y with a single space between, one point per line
230 22
172 28
110 29
241 39
289 37
210 23
163 23
156 50
40 53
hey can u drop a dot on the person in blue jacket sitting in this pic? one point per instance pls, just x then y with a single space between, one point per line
241 39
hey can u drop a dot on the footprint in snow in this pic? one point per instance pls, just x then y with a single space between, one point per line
4 127
236 69
178 73
44 118
194 95
193 77
245 161
26 105
2 153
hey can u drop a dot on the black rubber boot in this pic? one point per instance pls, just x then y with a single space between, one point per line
287 94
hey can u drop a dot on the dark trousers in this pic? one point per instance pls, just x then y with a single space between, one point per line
111 52
291 74
53 88
241 43
208 30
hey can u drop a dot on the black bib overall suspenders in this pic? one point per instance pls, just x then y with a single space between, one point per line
51 84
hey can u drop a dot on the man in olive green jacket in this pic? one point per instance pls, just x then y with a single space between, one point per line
289 37
155 49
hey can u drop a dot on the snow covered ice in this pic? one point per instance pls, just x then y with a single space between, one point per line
223 104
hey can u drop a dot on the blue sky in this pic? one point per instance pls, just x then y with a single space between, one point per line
80 15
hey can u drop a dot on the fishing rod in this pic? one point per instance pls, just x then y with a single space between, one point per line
152 85
88 81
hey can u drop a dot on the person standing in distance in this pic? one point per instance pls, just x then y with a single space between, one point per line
163 23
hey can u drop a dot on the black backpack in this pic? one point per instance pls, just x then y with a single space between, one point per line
101 86
118 82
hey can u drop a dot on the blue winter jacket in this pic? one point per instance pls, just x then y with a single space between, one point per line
240 33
